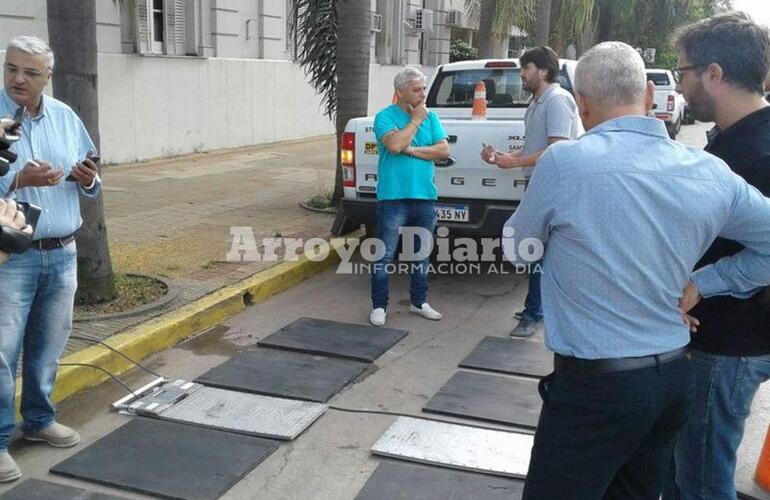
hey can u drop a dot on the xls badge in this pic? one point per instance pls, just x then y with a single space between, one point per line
370 148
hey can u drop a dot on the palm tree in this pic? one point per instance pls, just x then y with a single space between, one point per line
72 35
336 66
487 36
495 18
642 23
543 22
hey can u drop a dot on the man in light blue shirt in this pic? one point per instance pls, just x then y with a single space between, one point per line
624 214
38 287
409 139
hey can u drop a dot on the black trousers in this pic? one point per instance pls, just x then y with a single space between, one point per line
608 436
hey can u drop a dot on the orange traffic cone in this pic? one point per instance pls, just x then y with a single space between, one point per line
480 102
762 476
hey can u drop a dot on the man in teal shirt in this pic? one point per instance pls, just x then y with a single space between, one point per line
409 139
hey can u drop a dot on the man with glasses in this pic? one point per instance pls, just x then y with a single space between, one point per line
624 214
723 63
37 288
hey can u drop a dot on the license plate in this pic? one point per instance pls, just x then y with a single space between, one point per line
452 213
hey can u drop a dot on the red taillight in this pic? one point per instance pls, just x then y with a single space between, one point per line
500 64
671 103
348 159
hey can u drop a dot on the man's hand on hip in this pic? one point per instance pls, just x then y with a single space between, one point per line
690 298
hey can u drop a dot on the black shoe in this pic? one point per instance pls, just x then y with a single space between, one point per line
525 329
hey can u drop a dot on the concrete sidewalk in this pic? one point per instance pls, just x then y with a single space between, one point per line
172 217
331 460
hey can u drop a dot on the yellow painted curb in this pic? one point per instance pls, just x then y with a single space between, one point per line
158 334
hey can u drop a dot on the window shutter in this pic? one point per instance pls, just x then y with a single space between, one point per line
175 27
143 33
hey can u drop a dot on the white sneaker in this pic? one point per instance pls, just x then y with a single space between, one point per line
9 471
426 311
57 435
377 318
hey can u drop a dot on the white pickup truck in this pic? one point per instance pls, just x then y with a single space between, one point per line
668 104
474 198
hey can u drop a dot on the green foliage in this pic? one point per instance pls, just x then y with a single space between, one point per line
666 59
640 23
508 13
313 28
521 13
460 50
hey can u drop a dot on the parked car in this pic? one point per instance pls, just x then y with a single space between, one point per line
475 199
668 104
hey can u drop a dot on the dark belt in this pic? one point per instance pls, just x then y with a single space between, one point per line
566 364
53 243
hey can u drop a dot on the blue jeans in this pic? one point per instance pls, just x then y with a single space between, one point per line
533 304
391 216
37 291
704 456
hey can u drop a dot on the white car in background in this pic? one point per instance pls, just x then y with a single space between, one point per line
668 104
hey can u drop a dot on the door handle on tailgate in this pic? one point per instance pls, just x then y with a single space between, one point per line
445 163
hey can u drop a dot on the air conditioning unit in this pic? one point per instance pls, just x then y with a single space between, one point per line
376 23
454 18
423 20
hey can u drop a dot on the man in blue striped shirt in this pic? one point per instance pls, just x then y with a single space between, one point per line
37 288
625 213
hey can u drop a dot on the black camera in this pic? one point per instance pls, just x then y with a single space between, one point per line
16 241
13 240
11 135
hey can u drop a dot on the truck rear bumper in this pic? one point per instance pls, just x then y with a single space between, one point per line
486 218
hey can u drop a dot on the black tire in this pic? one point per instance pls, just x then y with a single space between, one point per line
674 129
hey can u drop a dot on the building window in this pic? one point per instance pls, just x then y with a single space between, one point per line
157 26
161 27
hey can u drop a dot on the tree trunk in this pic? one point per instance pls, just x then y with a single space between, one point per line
587 38
353 49
543 28
605 21
72 35
486 28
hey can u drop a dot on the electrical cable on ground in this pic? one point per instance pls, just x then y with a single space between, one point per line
114 377
421 417
331 407
104 344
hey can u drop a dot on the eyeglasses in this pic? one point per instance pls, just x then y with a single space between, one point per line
29 74
677 72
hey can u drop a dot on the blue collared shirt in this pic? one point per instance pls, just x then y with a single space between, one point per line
58 136
625 213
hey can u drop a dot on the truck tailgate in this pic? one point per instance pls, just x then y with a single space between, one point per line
464 175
